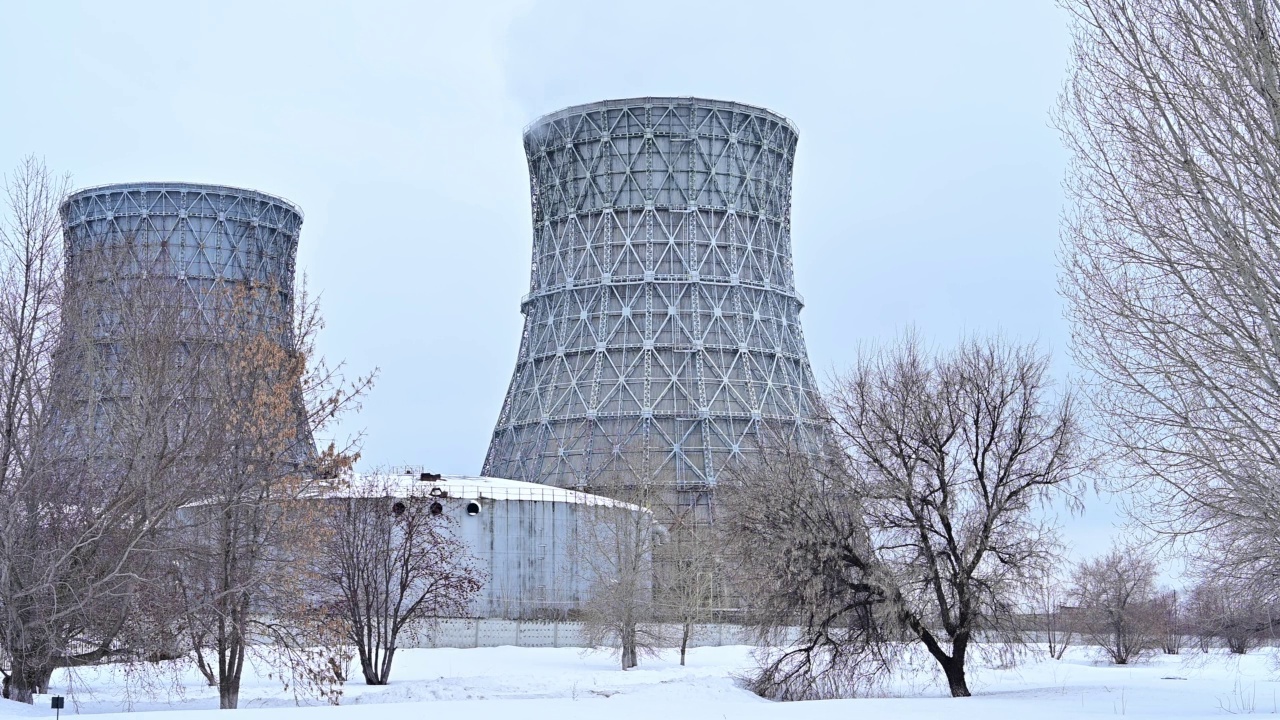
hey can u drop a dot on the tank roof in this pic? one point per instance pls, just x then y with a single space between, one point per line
680 100
467 487
168 186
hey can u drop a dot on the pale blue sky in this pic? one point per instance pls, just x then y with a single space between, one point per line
927 187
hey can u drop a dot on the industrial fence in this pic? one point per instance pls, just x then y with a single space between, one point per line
474 633
492 632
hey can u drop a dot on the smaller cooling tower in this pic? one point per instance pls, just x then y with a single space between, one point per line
195 246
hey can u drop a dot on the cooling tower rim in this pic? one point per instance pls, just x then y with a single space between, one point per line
164 185
660 100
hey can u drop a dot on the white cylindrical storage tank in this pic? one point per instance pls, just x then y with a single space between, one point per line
534 543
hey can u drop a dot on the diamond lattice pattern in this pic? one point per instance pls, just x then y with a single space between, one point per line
198 247
661 329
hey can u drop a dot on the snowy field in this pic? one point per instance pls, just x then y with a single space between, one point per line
563 683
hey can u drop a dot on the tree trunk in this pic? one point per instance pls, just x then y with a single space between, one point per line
384 676
1119 648
376 666
229 682
230 669
628 646
368 670
953 667
228 694
26 681
686 631
953 664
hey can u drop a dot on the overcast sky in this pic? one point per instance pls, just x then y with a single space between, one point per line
927 182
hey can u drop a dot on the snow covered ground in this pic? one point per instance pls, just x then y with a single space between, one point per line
565 683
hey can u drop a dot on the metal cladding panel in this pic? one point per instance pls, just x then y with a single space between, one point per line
661 328
193 243
526 549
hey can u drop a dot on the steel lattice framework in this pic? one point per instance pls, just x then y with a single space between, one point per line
196 245
661 329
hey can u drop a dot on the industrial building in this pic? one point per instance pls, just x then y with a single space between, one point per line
661 339
526 538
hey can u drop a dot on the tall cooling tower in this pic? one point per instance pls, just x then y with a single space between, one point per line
661 334
195 246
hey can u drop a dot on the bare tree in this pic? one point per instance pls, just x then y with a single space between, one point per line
687 574
615 546
392 561
1057 621
93 437
30 301
114 414
1170 260
919 524
257 528
1171 621
1116 594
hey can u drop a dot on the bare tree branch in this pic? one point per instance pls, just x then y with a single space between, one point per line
917 525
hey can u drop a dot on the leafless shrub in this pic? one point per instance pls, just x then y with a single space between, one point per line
1119 613
1231 611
